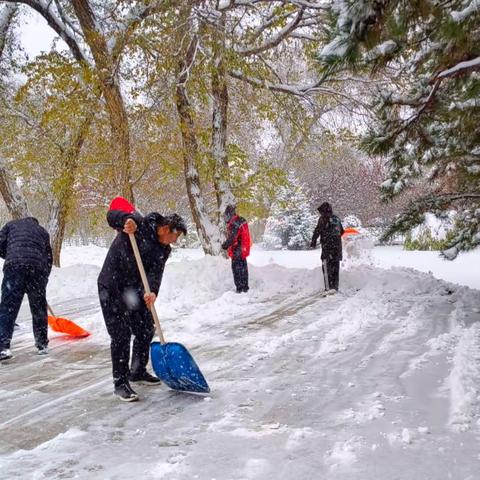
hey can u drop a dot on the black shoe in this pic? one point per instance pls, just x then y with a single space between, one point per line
125 393
144 378
5 354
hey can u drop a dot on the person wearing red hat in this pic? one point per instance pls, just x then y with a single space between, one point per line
125 305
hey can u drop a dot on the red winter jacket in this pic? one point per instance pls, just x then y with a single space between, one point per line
238 238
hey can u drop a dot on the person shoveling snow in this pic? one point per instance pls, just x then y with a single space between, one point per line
25 246
124 304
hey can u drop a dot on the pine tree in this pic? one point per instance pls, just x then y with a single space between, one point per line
427 119
291 221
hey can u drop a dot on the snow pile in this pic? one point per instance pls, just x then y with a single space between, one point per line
72 282
343 454
364 384
464 380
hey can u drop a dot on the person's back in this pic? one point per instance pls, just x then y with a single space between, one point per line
25 242
25 245
330 231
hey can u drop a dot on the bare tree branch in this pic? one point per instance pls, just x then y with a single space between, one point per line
276 39
63 30
298 90
135 16
315 4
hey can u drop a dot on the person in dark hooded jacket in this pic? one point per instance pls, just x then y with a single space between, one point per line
25 246
330 231
124 303
238 246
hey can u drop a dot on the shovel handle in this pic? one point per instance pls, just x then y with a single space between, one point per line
50 311
146 286
325 275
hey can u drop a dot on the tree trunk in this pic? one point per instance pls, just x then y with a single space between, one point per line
106 68
62 203
56 227
208 232
7 12
219 85
11 193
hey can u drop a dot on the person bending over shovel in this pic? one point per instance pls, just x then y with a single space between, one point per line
124 304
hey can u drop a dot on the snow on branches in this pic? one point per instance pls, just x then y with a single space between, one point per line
427 118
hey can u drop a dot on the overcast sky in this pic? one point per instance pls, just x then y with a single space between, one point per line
35 34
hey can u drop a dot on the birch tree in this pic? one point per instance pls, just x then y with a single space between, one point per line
216 30
10 191
46 122
97 35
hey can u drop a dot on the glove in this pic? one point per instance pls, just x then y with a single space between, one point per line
224 245
313 245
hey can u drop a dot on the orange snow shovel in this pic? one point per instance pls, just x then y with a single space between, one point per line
63 325
350 231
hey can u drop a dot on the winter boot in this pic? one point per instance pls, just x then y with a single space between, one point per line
42 351
144 379
125 393
5 354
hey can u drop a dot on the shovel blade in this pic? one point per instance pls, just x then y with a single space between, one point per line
63 325
174 365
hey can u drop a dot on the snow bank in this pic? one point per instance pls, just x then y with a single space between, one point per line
345 383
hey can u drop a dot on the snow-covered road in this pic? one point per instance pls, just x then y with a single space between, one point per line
378 382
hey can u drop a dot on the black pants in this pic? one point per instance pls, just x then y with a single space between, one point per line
240 274
333 273
124 318
18 281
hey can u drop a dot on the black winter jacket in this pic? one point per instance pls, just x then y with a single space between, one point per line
119 271
24 242
330 231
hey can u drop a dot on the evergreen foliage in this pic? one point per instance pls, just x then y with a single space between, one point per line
291 221
427 118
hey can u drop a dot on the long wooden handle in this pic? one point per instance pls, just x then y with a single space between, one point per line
50 310
325 275
146 286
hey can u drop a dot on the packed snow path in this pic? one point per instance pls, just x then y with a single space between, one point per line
378 382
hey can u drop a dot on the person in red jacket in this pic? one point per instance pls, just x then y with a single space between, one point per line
238 246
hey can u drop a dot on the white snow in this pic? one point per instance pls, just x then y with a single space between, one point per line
336 48
460 16
470 64
380 379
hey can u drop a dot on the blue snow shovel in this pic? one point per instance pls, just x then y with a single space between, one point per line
172 362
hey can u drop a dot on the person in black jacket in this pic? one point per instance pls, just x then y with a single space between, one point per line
25 246
237 250
124 303
330 231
